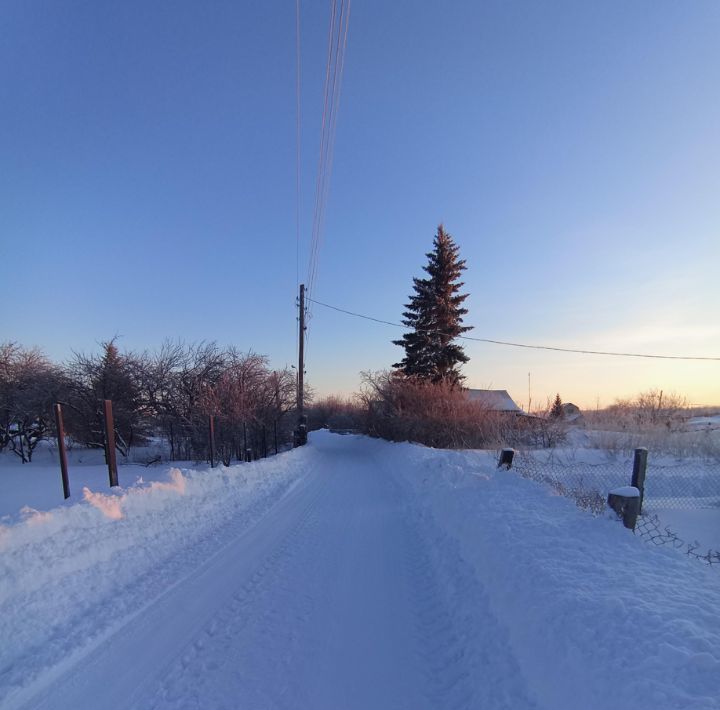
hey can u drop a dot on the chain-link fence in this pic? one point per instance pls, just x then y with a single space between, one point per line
587 484
687 486
650 528
684 486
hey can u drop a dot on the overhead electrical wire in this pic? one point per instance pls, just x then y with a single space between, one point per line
298 76
337 43
520 345
298 133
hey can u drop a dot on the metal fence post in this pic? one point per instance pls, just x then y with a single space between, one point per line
110 443
61 450
211 439
638 474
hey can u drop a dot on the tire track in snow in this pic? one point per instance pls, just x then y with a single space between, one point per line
75 635
327 621
219 667
163 625
466 652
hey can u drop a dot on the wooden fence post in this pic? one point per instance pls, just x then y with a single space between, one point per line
275 435
638 474
211 439
110 443
61 450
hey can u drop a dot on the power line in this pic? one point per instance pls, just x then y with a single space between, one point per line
297 142
337 43
517 345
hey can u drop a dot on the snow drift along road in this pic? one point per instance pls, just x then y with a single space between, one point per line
349 574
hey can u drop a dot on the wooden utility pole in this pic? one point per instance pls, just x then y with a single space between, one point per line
61 450
110 443
301 355
301 431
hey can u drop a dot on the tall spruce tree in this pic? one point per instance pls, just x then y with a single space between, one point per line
435 316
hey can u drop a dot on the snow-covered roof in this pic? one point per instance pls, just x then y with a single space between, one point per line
495 400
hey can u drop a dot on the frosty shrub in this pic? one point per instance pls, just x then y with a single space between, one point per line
546 428
654 419
401 408
335 413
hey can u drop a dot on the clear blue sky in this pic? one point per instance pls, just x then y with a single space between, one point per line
147 181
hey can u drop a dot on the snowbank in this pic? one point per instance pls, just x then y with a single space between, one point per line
68 574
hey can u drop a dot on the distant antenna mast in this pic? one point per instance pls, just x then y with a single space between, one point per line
529 395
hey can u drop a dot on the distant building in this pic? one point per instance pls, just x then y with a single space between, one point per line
494 400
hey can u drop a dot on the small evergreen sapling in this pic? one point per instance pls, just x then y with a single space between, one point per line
557 411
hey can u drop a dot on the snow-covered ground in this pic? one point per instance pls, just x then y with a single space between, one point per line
351 573
38 484
704 423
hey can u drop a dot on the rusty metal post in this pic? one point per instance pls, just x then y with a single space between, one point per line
211 438
62 450
110 443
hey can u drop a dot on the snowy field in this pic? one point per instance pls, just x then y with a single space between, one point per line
351 573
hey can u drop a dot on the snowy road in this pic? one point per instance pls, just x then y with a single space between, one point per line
332 600
351 573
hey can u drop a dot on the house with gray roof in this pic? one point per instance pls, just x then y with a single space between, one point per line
494 400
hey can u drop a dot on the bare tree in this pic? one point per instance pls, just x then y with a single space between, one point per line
169 393
29 383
